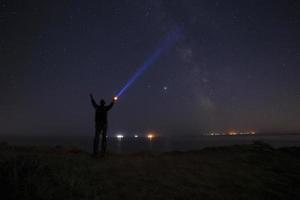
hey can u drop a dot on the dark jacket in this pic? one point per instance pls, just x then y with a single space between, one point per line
101 112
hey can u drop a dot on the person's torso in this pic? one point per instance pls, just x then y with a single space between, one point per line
101 114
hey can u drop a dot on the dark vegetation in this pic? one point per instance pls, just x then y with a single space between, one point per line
255 171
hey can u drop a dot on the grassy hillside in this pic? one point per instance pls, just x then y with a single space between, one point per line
254 171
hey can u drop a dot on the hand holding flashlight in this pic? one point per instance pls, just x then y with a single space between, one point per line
115 98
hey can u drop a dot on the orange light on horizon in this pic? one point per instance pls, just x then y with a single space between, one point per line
151 135
232 133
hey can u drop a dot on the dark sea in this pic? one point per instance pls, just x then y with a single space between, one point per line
156 145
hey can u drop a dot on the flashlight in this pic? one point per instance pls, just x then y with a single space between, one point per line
115 98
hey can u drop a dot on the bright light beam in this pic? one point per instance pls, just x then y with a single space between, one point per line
163 46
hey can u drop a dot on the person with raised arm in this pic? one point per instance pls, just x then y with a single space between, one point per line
101 111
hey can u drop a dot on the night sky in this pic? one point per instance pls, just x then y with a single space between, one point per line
234 66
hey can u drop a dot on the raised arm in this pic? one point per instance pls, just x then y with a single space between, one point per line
110 105
93 101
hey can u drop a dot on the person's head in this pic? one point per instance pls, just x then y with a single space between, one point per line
102 102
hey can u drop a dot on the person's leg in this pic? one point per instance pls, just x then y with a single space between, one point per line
103 145
96 140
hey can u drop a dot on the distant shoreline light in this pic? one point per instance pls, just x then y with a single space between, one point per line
231 133
119 136
151 135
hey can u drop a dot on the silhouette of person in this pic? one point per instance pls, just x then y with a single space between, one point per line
100 124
